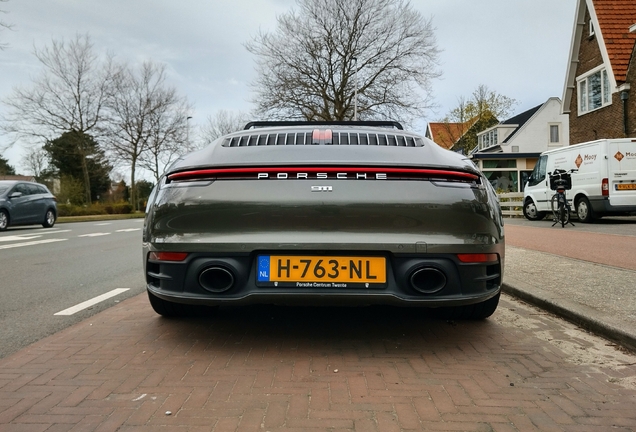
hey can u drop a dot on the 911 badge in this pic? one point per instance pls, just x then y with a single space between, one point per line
322 188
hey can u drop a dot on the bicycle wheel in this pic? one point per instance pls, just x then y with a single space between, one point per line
563 214
554 206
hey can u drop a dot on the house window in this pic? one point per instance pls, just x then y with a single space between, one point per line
499 163
594 91
503 181
554 133
488 139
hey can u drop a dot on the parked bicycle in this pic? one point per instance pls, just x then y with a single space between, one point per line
560 181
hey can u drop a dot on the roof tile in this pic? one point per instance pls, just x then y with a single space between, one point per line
615 17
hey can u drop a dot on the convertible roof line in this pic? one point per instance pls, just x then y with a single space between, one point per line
374 123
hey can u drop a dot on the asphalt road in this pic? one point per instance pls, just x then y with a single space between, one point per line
47 271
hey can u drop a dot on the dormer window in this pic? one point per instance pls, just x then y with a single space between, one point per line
593 91
488 139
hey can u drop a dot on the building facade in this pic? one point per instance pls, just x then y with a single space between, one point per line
507 152
597 94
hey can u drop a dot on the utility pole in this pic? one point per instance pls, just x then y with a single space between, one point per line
355 91
188 130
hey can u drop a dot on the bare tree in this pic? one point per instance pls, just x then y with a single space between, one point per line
138 116
69 95
321 55
3 25
470 116
222 123
36 161
168 134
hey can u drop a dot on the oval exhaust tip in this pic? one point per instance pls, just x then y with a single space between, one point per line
428 280
216 279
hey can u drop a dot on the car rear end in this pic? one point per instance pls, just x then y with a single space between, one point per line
621 182
329 215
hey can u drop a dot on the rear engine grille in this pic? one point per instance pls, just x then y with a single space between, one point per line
330 138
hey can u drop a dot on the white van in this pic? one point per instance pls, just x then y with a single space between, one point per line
605 183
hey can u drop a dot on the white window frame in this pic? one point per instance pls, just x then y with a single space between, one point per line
488 139
606 90
550 126
591 31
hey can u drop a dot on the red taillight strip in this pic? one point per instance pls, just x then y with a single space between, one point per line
227 172
478 257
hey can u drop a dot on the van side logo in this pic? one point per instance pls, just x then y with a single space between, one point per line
619 156
578 161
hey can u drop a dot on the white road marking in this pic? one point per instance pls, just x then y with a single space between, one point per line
129 230
33 243
94 235
18 238
104 223
29 236
53 231
92 302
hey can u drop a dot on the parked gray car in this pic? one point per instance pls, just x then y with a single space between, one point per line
324 213
24 203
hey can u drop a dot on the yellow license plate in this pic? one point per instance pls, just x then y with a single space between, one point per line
626 186
321 271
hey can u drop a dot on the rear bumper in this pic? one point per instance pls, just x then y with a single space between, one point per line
464 283
602 206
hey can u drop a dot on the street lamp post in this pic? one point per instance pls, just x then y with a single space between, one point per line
188 129
355 91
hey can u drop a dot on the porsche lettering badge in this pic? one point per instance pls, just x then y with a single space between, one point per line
322 176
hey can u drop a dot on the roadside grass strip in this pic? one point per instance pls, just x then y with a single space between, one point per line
88 303
33 243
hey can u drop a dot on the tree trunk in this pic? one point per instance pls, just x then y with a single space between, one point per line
133 192
87 179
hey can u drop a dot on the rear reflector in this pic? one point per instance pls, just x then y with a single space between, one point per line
167 256
605 187
478 257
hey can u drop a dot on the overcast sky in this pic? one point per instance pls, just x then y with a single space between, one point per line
518 48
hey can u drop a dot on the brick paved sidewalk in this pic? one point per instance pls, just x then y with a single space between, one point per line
273 369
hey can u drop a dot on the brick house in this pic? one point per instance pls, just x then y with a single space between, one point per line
601 70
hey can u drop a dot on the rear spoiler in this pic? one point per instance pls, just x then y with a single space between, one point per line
257 124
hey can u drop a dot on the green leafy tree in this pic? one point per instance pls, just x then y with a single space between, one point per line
65 156
71 191
328 56
479 112
144 187
5 168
